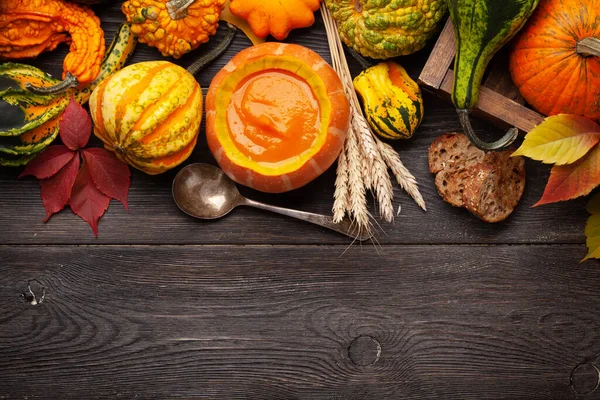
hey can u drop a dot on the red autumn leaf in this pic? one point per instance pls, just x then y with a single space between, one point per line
49 162
75 126
86 200
110 175
573 180
55 191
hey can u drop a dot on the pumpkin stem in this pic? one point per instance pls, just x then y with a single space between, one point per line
499 144
69 82
214 53
589 46
177 9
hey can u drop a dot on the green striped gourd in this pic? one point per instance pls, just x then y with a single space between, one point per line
482 27
31 120
392 101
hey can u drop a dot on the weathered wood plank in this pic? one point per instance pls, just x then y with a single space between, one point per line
466 322
154 218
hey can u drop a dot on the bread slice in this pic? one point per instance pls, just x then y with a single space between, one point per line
489 185
452 150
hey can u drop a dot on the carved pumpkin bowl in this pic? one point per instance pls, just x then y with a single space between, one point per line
277 117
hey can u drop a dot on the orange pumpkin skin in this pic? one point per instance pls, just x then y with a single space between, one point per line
334 108
545 66
277 18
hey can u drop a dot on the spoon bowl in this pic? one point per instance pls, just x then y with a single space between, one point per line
206 192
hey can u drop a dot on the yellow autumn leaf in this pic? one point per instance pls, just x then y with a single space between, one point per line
560 139
592 228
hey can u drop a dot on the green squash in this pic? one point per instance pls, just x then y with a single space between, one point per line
387 28
31 121
482 27
32 141
392 101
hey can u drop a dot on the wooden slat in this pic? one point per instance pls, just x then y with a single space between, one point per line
498 109
440 58
499 102
474 322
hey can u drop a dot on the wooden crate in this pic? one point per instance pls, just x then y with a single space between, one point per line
499 100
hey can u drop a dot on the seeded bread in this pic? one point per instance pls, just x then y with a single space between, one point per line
489 185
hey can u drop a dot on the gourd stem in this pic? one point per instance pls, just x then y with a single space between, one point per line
499 144
214 53
359 58
69 82
589 46
177 9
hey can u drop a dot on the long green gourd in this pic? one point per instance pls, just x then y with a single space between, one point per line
482 27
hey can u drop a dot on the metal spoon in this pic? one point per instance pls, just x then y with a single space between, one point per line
204 191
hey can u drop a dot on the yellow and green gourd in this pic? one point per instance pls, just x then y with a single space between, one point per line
392 101
30 120
384 29
149 115
482 27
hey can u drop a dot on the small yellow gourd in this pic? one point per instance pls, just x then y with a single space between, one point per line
392 101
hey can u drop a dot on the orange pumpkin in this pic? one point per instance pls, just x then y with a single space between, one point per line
555 63
276 117
275 17
174 27
28 28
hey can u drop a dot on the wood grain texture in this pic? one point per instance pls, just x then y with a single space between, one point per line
509 322
440 59
496 108
258 306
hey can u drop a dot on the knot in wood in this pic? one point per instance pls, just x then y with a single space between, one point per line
364 351
35 293
585 378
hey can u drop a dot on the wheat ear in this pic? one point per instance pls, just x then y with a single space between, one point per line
340 196
405 179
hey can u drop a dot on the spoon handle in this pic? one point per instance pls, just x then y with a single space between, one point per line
325 221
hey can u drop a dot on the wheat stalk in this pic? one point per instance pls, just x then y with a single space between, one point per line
375 172
364 162
340 196
383 189
405 179
356 186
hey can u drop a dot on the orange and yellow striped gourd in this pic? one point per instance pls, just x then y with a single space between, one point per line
149 115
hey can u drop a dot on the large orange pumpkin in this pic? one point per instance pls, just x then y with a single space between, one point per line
276 117
555 62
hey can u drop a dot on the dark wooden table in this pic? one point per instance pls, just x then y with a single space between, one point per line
259 306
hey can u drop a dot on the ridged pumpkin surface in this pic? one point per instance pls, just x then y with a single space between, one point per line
387 28
149 114
153 24
392 101
545 65
276 117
